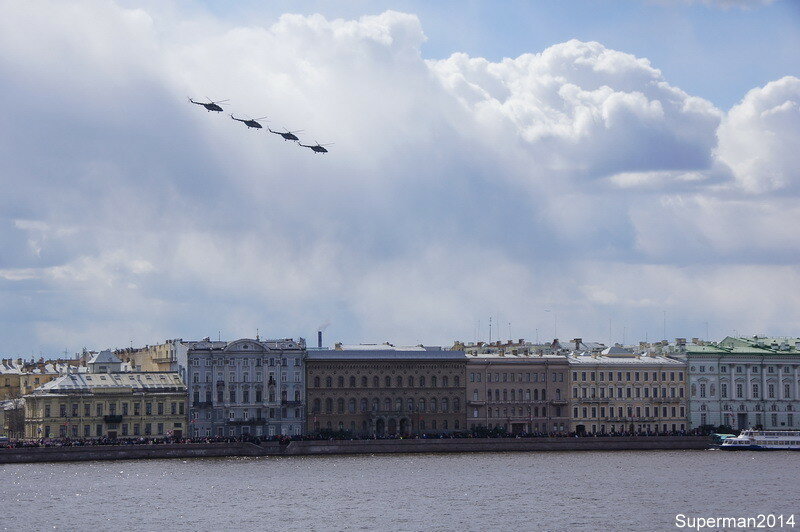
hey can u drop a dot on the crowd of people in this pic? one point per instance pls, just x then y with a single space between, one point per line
324 435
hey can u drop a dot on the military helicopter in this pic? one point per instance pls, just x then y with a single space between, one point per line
288 135
318 148
210 106
250 122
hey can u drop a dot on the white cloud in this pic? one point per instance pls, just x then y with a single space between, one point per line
575 179
760 135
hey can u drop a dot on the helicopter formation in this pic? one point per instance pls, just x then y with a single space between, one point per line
254 123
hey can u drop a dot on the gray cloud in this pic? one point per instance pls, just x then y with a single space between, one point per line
576 178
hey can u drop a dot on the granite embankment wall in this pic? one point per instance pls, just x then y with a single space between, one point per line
333 447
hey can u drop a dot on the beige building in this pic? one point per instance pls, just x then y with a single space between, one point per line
619 391
18 378
379 390
516 391
107 402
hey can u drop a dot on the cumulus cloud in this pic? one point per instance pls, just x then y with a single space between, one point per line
760 135
576 179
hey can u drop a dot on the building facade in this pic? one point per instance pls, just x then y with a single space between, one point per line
383 390
19 378
247 386
745 383
618 391
105 402
517 392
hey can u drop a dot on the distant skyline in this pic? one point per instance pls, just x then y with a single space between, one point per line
629 166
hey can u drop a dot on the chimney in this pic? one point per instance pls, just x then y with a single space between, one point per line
319 339
578 342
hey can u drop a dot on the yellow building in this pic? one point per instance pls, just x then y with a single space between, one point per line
106 402
618 391
18 378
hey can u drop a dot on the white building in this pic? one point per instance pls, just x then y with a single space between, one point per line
745 382
247 387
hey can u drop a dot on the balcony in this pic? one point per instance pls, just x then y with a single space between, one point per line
286 402
220 384
202 404
112 418
475 402
558 402
250 421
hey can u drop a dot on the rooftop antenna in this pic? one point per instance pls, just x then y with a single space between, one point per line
219 336
257 338
490 329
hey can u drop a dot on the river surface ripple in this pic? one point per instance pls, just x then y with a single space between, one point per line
630 490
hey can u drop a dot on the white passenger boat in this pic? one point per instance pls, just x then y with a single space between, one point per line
763 440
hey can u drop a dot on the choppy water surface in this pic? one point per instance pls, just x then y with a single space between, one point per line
637 490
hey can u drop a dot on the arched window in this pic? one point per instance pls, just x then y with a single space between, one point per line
328 381
363 382
505 394
558 394
387 404
694 390
497 395
352 381
445 405
398 404
363 405
535 395
340 381
316 406
457 381
388 381
340 405
376 405
445 382
433 381
351 406
297 395
513 395
422 405
434 405
544 395
316 382
456 405
410 381
422 381
399 381
376 382
410 405
488 395
328 405
283 395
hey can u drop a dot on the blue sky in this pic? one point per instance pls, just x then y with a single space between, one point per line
630 160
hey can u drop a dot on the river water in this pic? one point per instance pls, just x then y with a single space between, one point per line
631 490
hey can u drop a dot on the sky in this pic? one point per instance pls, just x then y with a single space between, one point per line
615 171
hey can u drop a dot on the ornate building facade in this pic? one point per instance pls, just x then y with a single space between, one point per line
517 391
107 402
380 390
745 383
247 386
619 391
